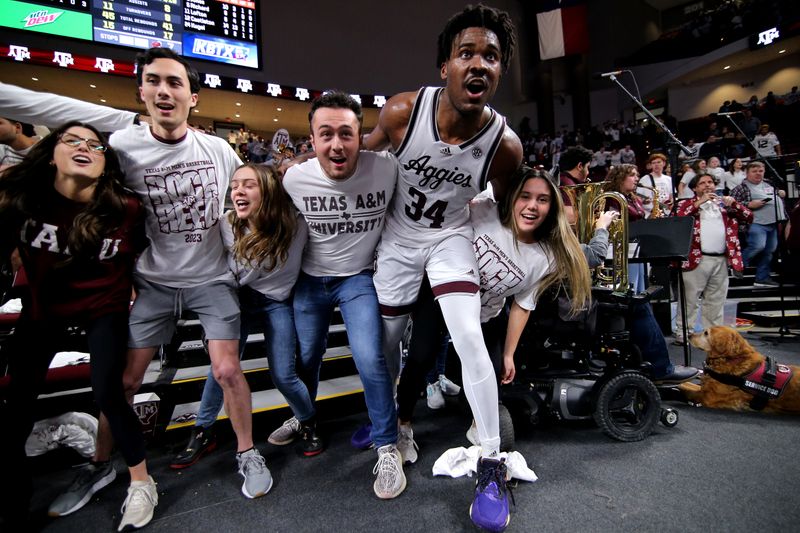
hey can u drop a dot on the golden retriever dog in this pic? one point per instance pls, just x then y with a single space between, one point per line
729 357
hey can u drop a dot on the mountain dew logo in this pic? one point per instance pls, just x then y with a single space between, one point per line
37 18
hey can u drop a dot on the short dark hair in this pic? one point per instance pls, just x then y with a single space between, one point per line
479 16
151 54
27 129
337 100
573 156
696 179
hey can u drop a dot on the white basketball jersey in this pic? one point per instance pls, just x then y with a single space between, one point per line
437 179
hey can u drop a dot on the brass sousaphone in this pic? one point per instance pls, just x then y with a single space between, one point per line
589 201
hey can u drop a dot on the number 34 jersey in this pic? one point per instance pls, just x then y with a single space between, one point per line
437 180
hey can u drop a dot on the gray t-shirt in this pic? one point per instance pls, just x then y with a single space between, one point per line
10 157
766 214
276 283
182 186
345 217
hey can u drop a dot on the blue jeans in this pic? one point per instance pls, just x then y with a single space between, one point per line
646 334
280 342
441 361
314 300
761 239
636 277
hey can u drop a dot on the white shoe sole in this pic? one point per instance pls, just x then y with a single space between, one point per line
395 495
277 442
260 494
138 525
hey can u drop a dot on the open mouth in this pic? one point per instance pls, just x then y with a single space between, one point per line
241 204
164 106
82 159
476 87
338 161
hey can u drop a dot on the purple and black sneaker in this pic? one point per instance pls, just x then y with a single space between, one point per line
361 439
489 509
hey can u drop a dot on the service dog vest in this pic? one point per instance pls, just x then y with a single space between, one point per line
765 383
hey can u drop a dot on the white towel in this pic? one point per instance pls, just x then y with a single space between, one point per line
11 306
457 462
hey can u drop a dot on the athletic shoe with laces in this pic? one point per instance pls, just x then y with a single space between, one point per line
90 479
310 442
137 510
286 434
257 477
435 398
448 387
489 509
201 442
406 445
390 480
765 283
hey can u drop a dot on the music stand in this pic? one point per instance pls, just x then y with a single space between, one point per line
663 241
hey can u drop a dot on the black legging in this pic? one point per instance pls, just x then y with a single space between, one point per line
427 334
31 349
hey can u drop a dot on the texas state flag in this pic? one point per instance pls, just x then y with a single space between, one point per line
563 29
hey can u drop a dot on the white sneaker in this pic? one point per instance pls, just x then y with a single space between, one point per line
448 387
406 445
137 510
435 398
286 434
390 481
472 434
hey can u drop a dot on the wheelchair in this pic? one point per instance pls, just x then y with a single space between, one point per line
586 367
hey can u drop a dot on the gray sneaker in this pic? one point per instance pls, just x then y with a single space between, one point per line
766 283
434 393
89 480
137 510
286 434
390 481
257 477
448 387
406 445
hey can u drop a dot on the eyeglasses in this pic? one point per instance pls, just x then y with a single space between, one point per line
74 141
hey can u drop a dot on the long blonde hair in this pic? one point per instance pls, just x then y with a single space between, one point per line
556 236
272 227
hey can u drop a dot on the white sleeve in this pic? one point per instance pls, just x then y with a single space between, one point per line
52 110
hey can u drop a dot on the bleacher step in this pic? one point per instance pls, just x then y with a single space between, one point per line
184 414
197 373
151 375
197 344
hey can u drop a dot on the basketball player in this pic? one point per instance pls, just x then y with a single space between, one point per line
450 144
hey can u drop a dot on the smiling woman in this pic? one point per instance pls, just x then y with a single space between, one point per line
78 231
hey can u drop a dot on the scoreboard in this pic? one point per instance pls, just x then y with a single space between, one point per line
225 31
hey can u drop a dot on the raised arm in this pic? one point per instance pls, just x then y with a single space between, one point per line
53 110
505 163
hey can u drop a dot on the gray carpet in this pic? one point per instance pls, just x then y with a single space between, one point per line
714 471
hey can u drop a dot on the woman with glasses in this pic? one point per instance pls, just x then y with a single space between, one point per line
78 231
